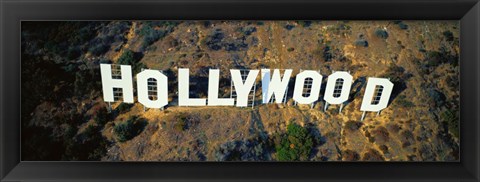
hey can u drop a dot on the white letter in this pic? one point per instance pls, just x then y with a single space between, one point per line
213 85
345 87
300 84
243 89
370 90
276 86
184 89
162 88
125 83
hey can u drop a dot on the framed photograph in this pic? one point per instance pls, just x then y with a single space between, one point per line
239 90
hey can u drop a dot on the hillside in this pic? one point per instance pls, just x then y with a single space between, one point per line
60 61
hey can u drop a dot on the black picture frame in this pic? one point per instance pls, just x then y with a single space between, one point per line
13 12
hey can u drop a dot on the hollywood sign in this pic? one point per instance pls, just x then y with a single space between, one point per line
376 96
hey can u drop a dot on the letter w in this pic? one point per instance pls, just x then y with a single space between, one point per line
276 85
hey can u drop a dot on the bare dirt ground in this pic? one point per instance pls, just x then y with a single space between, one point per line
420 57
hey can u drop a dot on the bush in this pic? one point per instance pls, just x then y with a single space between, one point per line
151 35
214 41
73 53
304 23
184 121
80 83
392 127
295 145
181 123
350 155
127 58
381 33
100 115
129 128
124 107
448 36
248 30
353 125
372 155
439 99
401 25
381 135
426 153
402 101
384 149
450 118
436 58
99 49
289 27
327 53
361 43
407 138
254 149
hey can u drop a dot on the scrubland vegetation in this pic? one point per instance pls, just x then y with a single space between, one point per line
65 118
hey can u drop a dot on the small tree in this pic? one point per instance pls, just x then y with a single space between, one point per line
100 115
450 118
124 107
381 33
127 58
295 145
129 128
123 130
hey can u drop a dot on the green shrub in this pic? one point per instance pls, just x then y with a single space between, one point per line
305 23
381 33
403 26
99 49
289 27
402 101
129 128
181 123
451 119
100 115
151 35
295 145
448 36
127 58
361 43
124 107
